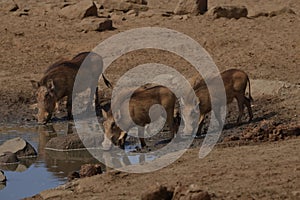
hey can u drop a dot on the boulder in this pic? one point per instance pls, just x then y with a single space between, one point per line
228 12
142 2
65 142
18 146
8 157
8 6
158 192
73 141
2 177
193 7
73 175
123 5
192 192
95 24
80 10
89 170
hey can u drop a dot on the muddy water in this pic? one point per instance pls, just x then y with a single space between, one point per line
49 169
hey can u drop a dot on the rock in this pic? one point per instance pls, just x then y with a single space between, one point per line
142 2
191 192
123 5
167 14
158 192
80 10
2 177
73 175
8 5
269 130
72 141
95 24
296 194
19 147
148 14
116 17
285 10
133 13
228 12
8 157
193 7
105 25
89 170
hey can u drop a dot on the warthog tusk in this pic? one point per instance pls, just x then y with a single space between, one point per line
123 133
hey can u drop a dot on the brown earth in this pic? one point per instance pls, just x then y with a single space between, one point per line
266 48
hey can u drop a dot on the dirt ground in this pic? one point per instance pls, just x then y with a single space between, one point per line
267 48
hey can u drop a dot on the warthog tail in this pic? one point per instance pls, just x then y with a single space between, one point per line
250 97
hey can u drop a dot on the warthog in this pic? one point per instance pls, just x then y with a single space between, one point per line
58 82
235 83
139 104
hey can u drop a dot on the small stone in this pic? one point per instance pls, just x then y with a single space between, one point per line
158 192
89 170
2 177
105 25
132 13
73 175
192 192
296 193
228 12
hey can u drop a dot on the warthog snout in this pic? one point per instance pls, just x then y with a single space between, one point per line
46 101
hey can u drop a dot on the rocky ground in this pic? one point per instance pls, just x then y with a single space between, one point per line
265 44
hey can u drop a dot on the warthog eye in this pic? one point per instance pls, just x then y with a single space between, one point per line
113 125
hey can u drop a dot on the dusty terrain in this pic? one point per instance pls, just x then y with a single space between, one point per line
267 48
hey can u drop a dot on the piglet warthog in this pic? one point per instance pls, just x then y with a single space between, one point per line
235 83
139 104
58 82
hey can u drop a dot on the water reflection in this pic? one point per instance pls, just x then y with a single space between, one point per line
21 166
45 132
61 163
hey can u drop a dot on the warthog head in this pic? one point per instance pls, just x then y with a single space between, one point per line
112 132
46 100
190 116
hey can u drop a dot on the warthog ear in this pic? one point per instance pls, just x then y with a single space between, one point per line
35 84
50 84
104 114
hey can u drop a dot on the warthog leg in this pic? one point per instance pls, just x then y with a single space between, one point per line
69 107
141 136
248 104
200 124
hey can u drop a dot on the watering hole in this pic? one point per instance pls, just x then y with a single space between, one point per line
49 168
